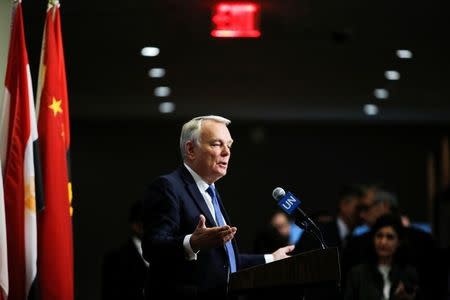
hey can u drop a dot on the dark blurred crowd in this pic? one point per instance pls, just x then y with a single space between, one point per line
383 255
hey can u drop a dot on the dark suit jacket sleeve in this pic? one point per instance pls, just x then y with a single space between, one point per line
162 222
250 260
168 218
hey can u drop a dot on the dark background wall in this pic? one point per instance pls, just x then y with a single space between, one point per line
112 161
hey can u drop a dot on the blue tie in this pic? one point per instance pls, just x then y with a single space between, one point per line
221 222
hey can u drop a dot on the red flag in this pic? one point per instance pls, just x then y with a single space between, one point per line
55 261
17 134
4 283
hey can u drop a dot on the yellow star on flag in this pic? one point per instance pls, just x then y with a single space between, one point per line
55 106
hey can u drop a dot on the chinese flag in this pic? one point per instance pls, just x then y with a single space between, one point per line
18 132
55 261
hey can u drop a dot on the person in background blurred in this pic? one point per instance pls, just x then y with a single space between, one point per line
366 215
274 235
371 207
337 230
386 276
124 269
422 248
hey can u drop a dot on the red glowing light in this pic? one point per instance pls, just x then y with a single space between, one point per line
236 19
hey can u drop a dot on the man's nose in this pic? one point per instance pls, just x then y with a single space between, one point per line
226 151
383 240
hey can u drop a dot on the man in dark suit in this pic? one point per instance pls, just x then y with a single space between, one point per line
124 269
274 234
187 236
337 231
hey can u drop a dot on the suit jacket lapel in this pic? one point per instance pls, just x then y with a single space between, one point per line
196 195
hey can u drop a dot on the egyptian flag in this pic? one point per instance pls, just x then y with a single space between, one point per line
4 282
55 261
18 131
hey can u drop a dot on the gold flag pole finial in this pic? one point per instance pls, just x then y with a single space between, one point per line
53 2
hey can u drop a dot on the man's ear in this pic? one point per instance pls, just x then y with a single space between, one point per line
189 148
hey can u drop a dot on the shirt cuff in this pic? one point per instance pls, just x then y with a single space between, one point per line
190 254
268 258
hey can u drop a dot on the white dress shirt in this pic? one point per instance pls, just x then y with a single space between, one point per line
342 229
202 187
384 270
138 244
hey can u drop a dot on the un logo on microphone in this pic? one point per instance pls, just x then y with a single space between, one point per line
289 203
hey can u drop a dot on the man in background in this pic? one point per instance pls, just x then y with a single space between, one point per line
124 269
275 234
337 231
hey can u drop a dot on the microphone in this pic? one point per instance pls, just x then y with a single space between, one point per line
291 205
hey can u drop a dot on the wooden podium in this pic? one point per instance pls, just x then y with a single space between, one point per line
308 275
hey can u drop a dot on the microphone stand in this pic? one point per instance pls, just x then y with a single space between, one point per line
309 226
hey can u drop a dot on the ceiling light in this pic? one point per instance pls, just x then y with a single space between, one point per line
381 93
162 91
404 54
392 75
370 109
157 72
166 107
150 51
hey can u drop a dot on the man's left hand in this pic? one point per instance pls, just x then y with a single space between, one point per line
283 252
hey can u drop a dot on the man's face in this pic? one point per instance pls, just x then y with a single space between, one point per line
210 158
367 212
281 223
348 210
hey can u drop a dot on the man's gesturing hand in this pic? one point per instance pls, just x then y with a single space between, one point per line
204 237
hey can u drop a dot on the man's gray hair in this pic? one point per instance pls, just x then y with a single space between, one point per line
191 131
382 196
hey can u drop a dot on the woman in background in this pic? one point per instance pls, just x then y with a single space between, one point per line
385 276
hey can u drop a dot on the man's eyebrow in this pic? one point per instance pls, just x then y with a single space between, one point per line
215 140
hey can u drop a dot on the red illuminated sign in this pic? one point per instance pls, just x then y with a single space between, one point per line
236 19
